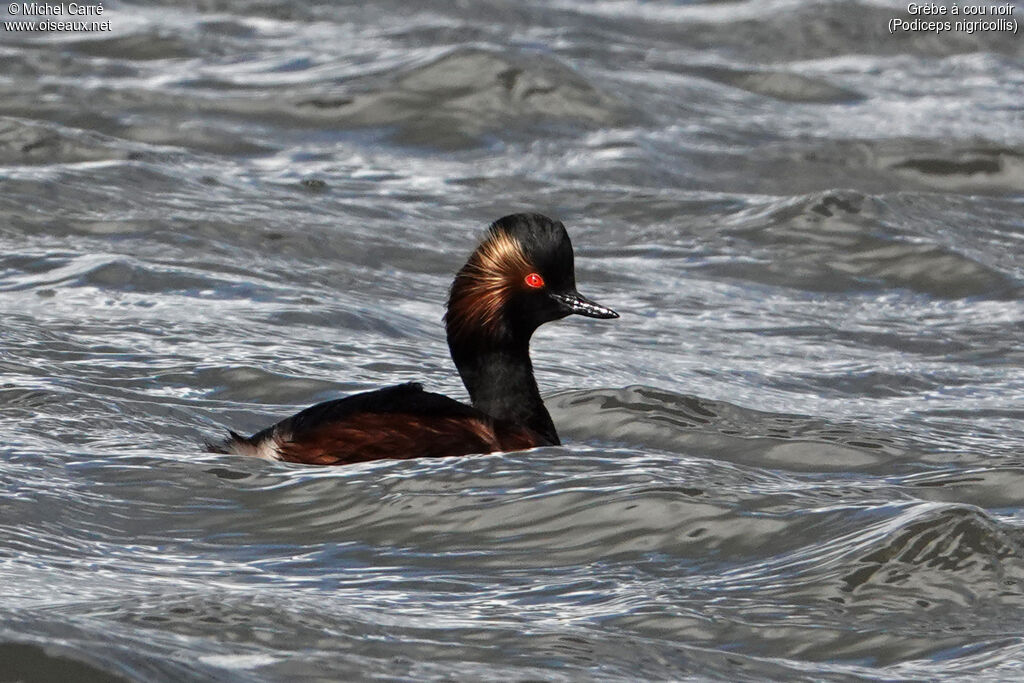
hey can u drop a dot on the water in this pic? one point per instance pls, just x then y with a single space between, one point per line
797 456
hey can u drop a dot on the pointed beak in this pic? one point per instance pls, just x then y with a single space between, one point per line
574 302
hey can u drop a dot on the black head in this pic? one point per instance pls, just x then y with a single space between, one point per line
520 277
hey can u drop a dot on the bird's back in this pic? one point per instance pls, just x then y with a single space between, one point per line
396 422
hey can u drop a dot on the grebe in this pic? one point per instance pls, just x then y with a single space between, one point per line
519 277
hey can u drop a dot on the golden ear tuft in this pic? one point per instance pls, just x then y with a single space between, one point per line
485 283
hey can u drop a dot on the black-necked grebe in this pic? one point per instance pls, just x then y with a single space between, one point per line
520 277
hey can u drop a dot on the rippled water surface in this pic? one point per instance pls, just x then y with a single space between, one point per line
799 454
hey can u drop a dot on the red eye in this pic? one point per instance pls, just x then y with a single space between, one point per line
534 280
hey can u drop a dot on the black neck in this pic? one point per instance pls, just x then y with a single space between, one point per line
499 378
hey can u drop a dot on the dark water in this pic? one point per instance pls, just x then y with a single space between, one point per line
799 455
